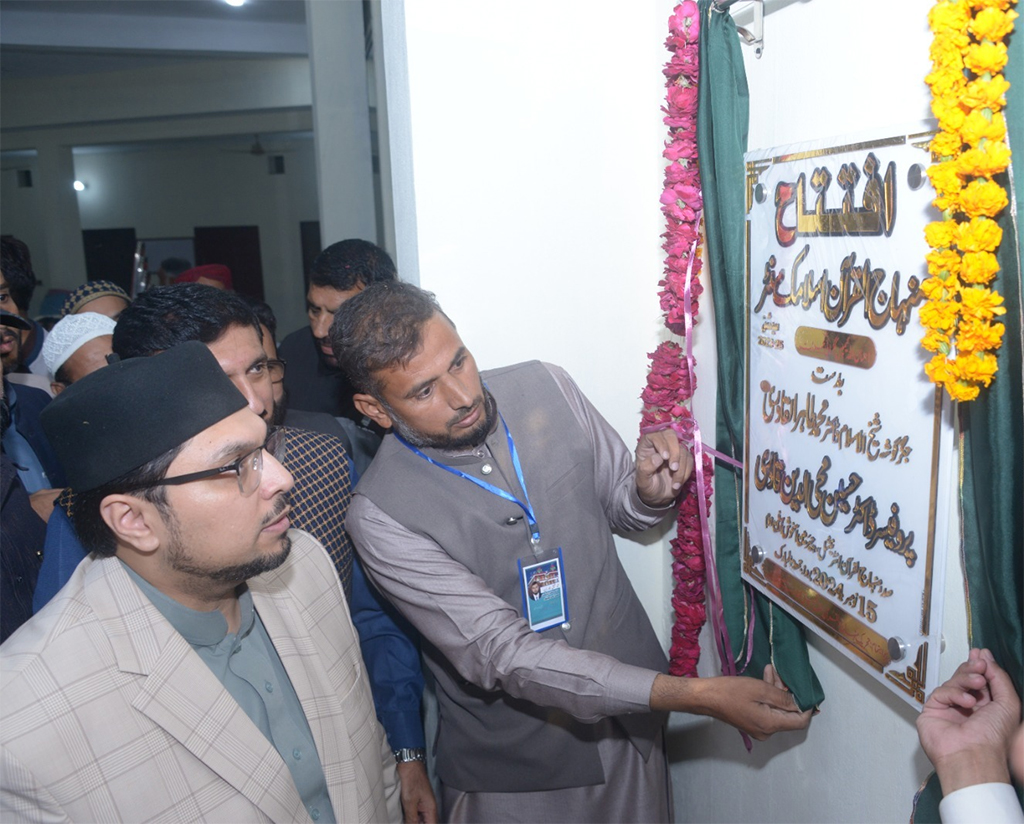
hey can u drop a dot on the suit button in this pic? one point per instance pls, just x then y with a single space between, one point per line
297 754
314 814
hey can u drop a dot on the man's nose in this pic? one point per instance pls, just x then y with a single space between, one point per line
276 478
459 395
252 398
321 325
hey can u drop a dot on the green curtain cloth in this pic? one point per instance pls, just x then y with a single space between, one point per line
721 141
992 454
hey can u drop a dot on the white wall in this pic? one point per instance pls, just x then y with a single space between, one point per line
529 143
535 167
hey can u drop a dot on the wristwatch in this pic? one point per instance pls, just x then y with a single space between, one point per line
407 754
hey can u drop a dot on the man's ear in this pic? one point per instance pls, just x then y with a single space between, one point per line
133 521
372 408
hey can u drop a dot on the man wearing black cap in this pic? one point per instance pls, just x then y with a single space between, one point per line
162 318
200 664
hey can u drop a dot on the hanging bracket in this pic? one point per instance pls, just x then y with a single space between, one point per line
752 33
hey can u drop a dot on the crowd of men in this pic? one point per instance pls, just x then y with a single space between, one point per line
190 634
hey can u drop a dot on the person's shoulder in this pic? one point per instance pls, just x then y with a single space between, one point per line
529 370
60 640
28 395
538 366
322 422
296 343
305 448
36 381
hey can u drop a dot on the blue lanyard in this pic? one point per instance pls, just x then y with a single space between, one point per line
501 493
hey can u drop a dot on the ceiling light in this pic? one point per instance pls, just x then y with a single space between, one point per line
235 2
79 186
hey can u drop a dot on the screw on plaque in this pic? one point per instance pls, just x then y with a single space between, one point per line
898 648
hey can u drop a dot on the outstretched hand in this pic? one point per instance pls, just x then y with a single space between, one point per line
663 465
758 708
967 723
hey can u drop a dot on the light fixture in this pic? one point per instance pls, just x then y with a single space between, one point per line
235 3
79 186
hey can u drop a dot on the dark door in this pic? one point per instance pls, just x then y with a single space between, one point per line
110 255
309 232
238 248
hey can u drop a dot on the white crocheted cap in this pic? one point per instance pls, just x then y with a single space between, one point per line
71 332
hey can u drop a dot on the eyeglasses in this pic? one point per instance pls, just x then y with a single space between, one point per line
276 370
248 468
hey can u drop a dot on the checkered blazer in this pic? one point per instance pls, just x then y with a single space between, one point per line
321 495
109 715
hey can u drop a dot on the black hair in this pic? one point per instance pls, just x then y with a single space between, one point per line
16 265
174 266
168 315
61 375
350 263
90 527
264 314
379 328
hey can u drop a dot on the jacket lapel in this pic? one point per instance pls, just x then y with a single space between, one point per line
282 616
179 693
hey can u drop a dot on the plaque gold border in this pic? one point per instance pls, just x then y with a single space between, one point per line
912 679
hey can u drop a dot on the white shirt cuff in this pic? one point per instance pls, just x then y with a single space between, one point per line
991 803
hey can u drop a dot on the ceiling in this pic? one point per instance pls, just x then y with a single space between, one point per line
54 38
46 38
287 11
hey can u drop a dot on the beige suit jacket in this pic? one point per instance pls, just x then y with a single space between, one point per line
107 714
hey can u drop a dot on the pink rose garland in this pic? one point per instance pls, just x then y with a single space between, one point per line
671 381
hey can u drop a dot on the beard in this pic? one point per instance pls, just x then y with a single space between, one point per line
448 442
329 361
181 560
11 360
280 410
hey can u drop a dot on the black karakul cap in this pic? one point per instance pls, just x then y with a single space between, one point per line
132 411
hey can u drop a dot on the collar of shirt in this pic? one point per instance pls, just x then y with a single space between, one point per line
200 629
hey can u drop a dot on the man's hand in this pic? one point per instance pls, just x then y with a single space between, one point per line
758 708
663 465
967 724
418 803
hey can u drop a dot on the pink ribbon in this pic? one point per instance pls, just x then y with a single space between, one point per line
689 433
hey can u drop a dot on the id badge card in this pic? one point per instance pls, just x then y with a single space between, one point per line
542 581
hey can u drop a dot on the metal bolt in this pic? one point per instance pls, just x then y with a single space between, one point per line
898 648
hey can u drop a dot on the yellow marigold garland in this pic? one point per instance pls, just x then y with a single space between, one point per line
968 94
